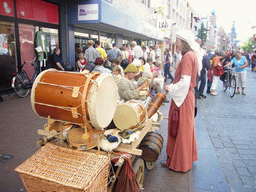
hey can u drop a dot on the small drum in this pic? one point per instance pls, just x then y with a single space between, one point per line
129 114
151 146
60 95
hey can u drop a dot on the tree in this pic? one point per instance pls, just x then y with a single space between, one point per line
249 45
202 34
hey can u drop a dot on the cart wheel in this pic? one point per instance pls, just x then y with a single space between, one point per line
150 165
138 169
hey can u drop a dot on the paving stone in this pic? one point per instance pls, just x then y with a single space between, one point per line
236 186
252 169
228 144
232 150
238 163
221 151
245 157
228 166
232 175
242 147
243 171
247 152
250 163
241 142
248 181
235 156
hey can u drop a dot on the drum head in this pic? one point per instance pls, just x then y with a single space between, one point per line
126 116
103 101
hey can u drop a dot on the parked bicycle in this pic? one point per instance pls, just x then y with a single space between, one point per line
229 81
21 83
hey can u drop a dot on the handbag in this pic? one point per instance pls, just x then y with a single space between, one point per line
175 121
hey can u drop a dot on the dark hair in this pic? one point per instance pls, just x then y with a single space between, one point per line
149 59
143 47
113 44
124 63
116 61
185 48
141 58
56 49
97 43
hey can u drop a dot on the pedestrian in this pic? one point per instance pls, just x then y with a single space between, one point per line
253 61
152 54
205 68
250 59
136 50
56 60
99 66
145 54
81 62
114 53
91 54
181 145
240 63
101 51
167 65
209 74
158 54
217 69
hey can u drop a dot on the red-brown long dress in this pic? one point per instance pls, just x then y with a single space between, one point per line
182 150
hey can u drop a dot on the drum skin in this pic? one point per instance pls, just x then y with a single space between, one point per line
151 146
52 96
129 114
156 103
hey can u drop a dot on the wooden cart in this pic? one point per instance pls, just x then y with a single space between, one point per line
132 149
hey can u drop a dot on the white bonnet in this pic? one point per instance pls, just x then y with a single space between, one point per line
189 37
136 62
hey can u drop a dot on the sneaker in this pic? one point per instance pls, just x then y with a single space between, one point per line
243 93
214 93
203 96
198 97
237 92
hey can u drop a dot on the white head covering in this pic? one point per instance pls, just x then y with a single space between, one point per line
136 62
189 37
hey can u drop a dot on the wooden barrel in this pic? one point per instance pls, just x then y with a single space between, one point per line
151 146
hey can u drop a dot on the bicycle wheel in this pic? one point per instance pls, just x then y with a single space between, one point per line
19 88
232 88
225 85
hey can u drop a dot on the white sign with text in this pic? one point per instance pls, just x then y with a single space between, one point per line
88 12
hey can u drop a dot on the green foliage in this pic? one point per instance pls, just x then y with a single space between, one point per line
202 34
250 45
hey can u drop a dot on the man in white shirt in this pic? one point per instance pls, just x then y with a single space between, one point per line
158 54
152 54
137 51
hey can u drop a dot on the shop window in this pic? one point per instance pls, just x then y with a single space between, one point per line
7 54
28 45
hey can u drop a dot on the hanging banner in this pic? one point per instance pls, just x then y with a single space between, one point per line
160 10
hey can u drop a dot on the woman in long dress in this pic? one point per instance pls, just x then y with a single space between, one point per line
181 149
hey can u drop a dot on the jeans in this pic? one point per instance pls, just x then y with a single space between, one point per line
202 84
167 71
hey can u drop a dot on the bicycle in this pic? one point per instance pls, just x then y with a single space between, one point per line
230 81
21 83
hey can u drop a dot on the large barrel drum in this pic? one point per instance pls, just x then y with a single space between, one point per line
151 146
67 96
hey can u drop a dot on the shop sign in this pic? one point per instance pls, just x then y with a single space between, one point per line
88 12
164 23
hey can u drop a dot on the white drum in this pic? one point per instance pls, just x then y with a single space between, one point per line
59 94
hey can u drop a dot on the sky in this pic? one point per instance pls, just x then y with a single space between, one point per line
243 12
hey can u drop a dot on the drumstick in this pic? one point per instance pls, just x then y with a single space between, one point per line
154 88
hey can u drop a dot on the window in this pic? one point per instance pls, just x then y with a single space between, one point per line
7 54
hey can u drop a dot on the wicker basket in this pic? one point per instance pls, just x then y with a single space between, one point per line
55 168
